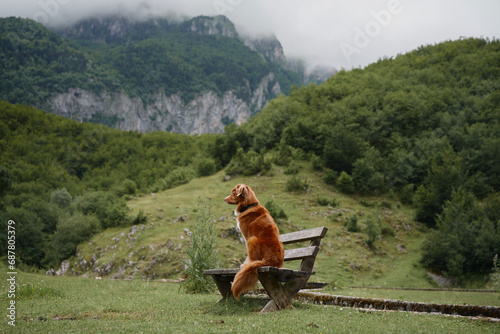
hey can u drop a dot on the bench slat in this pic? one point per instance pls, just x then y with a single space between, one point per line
300 253
231 271
318 232
283 272
267 269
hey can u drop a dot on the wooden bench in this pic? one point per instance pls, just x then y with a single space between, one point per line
280 284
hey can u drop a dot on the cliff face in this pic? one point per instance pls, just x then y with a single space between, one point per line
207 113
233 94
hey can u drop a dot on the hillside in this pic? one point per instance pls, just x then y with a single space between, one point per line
155 250
410 142
194 76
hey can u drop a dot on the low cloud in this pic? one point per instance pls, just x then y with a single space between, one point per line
335 33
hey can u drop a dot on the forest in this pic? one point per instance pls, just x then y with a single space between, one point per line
422 127
36 62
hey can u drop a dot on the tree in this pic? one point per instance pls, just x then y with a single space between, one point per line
71 231
345 183
464 241
61 197
445 174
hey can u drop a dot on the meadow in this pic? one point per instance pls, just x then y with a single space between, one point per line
157 249
80 305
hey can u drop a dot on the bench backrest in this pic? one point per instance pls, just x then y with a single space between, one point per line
306 254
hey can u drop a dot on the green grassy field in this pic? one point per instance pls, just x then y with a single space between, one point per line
156 249
80 305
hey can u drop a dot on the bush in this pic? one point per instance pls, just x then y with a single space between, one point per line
317 163
107 207
201 253
330 177
292 169
283 156
345 183
324 201
406 194
352 224
296 184
465 239
205 167
71 231
495 275
366 178
275 210
179 176
61 197
247 164
372 231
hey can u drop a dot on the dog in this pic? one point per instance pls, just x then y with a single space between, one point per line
261 235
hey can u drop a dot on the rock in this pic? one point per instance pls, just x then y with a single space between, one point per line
63 269
206 113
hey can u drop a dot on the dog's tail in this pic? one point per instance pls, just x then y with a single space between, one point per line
246 278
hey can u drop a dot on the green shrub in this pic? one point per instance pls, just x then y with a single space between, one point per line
107 207
61 197
345 183
179 176
330 177
372 231
495 275
71 231
283 155
140 219
324 201
247 164
205 167
317 163
201 253
352 224
275 210
406 194
296 184
292 169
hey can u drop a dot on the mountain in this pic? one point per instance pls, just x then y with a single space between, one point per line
194 76
414 137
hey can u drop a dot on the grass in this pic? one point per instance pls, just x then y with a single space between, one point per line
82 305
344 256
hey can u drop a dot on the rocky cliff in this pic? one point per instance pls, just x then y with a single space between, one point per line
150 74
207 113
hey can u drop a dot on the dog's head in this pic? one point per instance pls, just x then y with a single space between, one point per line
242 195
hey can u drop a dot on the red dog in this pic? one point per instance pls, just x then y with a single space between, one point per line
261 235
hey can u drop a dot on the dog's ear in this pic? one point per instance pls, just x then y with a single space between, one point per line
242 191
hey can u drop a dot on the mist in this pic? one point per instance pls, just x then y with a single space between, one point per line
335 33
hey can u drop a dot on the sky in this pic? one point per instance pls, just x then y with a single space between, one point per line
335 33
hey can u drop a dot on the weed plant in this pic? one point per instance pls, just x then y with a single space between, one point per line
201 252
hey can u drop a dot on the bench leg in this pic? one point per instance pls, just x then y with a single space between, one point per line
224 287
279 297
